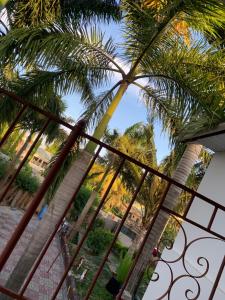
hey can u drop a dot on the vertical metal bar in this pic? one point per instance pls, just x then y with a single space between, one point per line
188 206
74 135
143 242
218 277
115 236
212 217
12 126
44 250
87 230
24 161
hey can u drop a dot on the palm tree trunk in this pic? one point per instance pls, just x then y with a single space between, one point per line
181 174
90 201
100 129
60 201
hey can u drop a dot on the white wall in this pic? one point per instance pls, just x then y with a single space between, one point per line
212 186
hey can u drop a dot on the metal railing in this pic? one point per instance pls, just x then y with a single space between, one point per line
77 131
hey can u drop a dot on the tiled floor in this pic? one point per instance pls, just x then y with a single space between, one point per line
43 283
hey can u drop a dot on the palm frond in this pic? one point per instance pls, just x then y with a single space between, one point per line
95 109
190 81
38 85
158 23
90 10
33 13
52 45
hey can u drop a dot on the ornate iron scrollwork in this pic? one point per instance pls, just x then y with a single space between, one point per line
202 261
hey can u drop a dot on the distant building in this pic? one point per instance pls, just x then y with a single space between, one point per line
130 229
39 161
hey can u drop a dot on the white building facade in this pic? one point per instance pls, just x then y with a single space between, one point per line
200 269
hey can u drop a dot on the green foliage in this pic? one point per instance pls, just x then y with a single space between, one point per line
59 139
181 80
123 268
3 2
26 180
79 202
98 240
3 167
99 223
92 264
25 13
119 249
116 211
9 147
54 147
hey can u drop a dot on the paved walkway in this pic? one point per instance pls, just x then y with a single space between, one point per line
43 283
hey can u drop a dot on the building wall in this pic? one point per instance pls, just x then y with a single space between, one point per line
212 186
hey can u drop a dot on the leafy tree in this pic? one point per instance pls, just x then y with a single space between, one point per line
26 180
98 240
59 139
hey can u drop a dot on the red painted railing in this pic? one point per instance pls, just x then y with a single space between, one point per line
77 131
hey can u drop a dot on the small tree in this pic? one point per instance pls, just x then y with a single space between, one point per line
98 240
27 181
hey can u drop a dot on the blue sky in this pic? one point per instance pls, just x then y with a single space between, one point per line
130 110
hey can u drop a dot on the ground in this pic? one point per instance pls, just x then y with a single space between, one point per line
43 283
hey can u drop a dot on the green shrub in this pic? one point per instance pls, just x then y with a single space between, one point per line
119 249
26 180
99 223
98 240
123 268
79 202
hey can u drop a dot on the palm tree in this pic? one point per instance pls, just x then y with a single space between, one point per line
32 122
138 142
2 4
33 12
186 76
